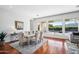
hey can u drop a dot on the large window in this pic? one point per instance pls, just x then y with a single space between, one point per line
71 25
55 26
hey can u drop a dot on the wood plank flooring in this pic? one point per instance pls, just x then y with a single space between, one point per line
7 49
57 47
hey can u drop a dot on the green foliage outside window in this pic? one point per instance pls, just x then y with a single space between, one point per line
59 28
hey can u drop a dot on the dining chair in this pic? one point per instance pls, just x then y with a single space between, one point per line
33 32
22 40
38 36
41 36
34 38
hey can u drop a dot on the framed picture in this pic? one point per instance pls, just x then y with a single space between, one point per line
19 25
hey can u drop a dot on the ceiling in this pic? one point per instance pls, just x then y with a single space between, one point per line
35 11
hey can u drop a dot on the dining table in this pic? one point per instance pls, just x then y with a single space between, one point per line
29 36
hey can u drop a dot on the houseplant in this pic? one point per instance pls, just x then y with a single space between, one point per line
2 36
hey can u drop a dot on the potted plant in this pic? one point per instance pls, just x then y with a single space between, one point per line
2 36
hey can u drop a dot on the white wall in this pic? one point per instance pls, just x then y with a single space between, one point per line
71 15
7 19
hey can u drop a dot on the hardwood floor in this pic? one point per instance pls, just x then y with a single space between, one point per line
52 46
7 49
57 47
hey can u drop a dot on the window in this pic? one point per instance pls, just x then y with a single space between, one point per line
55 26
71 25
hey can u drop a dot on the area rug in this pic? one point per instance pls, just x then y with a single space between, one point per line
27 49
72 48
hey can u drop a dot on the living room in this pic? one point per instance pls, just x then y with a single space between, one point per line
24 29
